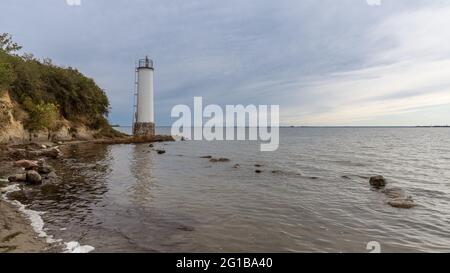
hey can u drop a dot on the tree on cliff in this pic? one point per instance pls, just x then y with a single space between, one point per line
42 115
7 45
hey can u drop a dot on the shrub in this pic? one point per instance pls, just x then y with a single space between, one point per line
41 116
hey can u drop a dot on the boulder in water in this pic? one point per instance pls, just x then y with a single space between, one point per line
378 181
26 164
45 169
215 160
33 177
402 203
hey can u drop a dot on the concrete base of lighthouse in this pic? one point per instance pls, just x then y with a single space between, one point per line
144 129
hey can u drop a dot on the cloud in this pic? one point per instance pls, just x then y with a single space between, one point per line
411 75
323 62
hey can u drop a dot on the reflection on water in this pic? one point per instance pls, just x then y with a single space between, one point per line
312 194
141 169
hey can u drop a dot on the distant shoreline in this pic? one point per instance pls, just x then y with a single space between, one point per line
355 127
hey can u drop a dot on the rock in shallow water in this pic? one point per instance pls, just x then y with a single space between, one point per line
378 181
45 169
26 164
52 153
215 160
402 203
33 177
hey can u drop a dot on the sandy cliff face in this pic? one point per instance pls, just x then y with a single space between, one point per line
12 130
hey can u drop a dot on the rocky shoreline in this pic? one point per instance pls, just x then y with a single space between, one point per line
26 165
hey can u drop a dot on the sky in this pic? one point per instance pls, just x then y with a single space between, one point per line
325 62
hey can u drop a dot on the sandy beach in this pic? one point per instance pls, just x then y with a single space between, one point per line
16 233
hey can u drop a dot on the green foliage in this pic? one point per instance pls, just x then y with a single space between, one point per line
7 76
42 115
78 98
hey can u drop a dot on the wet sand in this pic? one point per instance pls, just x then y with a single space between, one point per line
16 233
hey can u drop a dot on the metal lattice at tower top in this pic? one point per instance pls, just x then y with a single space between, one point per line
144 120
145 63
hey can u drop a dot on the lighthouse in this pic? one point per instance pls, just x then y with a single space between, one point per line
144 117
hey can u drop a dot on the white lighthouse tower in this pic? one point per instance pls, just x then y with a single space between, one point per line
144 118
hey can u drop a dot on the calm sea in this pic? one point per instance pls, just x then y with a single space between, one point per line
313 194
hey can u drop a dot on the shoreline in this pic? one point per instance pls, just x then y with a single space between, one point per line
17 234
22 230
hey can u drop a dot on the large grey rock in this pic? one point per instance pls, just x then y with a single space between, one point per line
34 178
378 181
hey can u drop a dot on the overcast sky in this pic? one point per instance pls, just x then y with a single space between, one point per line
325 62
